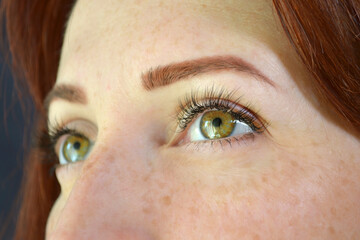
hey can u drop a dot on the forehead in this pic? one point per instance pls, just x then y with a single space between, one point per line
151 26
234 14
108 44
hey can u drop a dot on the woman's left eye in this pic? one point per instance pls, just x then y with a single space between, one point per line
73 148
217 124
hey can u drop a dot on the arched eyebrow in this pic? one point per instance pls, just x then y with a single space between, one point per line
168 74
68 92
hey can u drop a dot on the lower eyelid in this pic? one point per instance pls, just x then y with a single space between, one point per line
221 144
68 172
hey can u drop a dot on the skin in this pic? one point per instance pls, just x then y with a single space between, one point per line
298 180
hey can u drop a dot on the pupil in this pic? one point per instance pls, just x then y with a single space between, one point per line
77 145
217 122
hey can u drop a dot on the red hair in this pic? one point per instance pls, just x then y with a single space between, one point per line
325 34
35 32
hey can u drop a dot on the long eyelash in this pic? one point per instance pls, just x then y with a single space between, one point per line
57 131
47 140
212 98
46 145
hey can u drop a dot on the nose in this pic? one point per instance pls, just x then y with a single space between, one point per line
106 199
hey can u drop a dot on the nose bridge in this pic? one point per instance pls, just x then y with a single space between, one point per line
105 200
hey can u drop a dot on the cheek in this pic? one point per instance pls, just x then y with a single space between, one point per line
308 193
303 193
55 214
274 194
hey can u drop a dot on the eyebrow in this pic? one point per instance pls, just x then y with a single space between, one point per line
168 74
66 92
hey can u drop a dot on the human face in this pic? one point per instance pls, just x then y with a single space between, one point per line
144 179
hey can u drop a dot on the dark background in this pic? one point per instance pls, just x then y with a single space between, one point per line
13 141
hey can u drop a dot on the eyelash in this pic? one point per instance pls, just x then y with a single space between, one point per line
192 105
48 139
198 102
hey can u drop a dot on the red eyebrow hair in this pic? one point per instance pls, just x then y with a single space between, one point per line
66 92
165 75
168 74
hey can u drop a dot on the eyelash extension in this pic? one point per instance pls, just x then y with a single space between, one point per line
198 102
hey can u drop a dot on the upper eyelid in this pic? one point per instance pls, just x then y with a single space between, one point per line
57 134
213 97
245 113
81 126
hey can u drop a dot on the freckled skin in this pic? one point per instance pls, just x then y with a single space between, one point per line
300 182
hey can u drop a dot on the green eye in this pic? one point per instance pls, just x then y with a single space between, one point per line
74 148
217 124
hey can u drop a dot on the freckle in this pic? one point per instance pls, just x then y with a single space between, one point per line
333 211
146 210
345 181
88 167
331 230
166 200
292 222
77 48
264 179
146 178
256 237
314 143
294 163
103 147
154 222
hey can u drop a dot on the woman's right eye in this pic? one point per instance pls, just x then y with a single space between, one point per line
73 148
